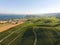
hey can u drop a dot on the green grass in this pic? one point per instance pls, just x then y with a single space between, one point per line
23 34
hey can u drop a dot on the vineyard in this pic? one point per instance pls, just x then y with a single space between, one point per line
35 31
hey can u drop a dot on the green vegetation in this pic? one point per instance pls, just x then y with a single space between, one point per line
35 31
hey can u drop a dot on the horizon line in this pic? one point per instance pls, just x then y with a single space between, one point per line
29 14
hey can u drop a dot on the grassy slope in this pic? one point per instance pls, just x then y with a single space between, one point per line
23 35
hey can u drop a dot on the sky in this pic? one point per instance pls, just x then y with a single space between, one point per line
29 6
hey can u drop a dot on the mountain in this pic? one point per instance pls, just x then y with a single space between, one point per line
53 14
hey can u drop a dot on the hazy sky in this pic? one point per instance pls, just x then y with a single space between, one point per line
29 6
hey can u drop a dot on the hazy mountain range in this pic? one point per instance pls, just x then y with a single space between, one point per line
52 14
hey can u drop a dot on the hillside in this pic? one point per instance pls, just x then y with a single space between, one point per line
35 31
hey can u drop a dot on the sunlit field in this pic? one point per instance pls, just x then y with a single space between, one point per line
34 31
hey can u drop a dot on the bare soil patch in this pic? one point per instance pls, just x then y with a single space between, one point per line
5 27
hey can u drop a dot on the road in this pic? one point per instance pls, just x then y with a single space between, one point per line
35 41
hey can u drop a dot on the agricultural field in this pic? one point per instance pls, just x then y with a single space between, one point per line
34 31
5 25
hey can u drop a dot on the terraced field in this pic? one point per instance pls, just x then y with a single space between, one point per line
29 33
9 36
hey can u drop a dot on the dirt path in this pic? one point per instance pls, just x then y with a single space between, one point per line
35 41
3 28
13 40
6 37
